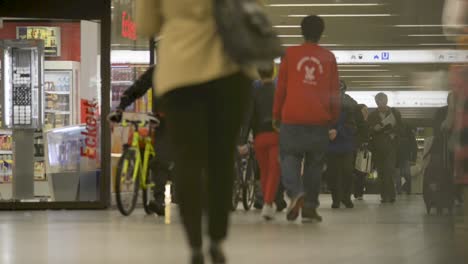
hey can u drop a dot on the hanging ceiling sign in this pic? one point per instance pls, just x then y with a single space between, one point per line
399 56
403 99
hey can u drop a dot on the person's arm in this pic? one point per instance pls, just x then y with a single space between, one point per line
148 17
138 89
335 97
247 122
280 93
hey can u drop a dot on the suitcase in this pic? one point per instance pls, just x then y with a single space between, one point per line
438 183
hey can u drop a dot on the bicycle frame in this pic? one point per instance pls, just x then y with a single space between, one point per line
141 165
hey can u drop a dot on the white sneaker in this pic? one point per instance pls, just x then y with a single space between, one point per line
268 212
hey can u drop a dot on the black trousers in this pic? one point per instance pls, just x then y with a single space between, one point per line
340 176
385 163
161 174
359 183
204 123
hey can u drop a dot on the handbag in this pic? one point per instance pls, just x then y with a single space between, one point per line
363 161
246 32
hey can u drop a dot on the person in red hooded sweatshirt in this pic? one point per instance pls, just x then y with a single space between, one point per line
307 103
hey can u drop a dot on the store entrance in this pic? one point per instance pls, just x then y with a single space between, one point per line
53 74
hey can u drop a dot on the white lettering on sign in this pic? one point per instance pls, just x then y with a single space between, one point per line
91 133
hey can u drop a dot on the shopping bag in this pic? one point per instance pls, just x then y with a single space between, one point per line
364 161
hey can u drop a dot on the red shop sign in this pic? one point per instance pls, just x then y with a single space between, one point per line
128 27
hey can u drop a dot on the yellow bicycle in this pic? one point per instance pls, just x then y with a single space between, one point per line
133 169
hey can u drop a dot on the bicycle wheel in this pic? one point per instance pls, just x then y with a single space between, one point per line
235 188
126 189
148 191
248 184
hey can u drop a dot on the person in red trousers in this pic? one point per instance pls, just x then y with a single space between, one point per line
259 119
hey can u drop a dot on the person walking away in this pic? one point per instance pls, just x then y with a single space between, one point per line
203 94
384 124
266 139
341 152
362 142
407 154
307 102
243 150
162 164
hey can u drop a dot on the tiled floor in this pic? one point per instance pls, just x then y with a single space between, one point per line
371 233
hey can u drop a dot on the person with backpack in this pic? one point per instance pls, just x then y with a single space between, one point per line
385 125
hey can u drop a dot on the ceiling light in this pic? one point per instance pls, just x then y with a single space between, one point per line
287 26
396 87
438 44
319 5
364 70
346 15
290 36
329 45
375 76
437 35
410 26
363 65
378 81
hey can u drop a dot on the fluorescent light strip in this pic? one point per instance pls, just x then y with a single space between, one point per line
326 45
376 76
364 70
290 36
364 65
378 81
439 44
347 15
287 26
411 26
319 5
395 87
437 35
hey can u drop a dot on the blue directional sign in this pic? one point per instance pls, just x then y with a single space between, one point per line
385 55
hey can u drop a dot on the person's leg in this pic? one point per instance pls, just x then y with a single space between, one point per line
291 172
408 183
380 166
347 179
226 105
160 176
273 176
359 184
188 126
332 178
389 176
262 155
312 178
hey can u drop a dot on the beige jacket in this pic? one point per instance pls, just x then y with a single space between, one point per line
190 51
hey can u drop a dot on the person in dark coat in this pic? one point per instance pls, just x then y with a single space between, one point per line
384 125
341 152
163 164
407 154
362 141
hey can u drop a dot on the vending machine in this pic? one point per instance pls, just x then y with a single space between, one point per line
21 99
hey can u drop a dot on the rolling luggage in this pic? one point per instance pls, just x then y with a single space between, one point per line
438 183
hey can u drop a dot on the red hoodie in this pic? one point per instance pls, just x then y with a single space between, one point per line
308 87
